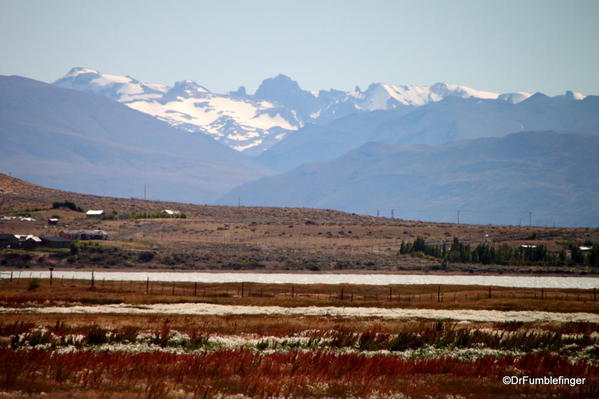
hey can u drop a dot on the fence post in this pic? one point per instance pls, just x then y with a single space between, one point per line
195 288
489 291
147 285
542 294
93 280
173 289
439 294
594 294
292 291
390 293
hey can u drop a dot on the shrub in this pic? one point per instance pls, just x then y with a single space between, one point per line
34 284
67 204
75 247
145 256
96 335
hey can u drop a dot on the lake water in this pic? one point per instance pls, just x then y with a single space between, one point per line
320 278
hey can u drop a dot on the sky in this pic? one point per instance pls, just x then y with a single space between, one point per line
501 46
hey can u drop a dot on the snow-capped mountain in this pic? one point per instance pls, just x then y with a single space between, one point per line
253 123
239 122
120 88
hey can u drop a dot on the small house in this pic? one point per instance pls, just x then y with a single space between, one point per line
8 241
56 242
171 212
53 221
94 213
28 241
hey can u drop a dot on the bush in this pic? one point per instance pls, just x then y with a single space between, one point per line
96 335
34 284
75 248
66 204
145 256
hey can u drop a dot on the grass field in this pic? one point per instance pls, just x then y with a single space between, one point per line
272 355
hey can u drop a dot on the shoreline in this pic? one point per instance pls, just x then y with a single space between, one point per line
583 274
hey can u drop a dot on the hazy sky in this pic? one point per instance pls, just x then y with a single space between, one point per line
501 46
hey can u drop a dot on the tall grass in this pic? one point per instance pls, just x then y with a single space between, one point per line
278 374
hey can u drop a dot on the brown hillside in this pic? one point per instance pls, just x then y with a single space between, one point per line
225 238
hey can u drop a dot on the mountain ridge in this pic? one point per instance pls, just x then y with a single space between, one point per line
81 141
492 180
253 123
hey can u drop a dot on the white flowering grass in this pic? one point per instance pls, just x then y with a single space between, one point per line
213 309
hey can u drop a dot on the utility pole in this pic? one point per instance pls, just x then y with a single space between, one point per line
145 191
239 201
458 216
392 214
530 219
377 213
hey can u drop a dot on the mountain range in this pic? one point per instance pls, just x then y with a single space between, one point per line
425 152
252 123
435 123
487 180
79 141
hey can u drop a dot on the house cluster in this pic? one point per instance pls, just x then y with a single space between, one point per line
30 241
63 240
21 218
84 234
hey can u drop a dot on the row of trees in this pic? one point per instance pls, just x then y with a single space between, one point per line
459 252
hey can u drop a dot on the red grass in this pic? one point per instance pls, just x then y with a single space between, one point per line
278 374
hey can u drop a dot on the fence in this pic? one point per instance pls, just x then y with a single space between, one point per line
346 293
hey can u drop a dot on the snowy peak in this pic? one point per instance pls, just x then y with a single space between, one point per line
187 89
514 98
76 71
384 96
443 90
572 95
116 87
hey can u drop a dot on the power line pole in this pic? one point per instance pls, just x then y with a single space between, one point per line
239 201
530 219
377 213
392 214
145 191
458 216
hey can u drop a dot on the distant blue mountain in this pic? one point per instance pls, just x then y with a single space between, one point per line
79 141
451 119
489 180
